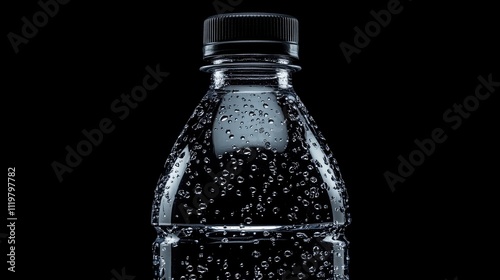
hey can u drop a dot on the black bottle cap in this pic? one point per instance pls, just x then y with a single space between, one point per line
251 34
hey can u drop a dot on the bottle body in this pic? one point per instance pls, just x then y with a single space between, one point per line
250 190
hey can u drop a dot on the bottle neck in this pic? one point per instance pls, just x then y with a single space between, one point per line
232 72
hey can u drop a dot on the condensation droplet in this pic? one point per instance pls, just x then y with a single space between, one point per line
202 269
198 190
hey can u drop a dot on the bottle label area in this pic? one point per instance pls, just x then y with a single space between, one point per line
204 252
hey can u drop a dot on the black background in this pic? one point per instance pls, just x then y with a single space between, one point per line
437 224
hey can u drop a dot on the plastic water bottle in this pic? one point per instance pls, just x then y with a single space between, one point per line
250 189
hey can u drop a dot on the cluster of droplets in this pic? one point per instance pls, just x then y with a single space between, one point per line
249 119
250 160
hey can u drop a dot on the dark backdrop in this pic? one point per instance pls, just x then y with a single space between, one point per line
62 78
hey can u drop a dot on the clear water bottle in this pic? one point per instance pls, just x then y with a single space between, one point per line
251 189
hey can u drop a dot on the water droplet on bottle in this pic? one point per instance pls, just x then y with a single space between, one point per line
301 235
198 190
201 269
264 264
256 254
240 179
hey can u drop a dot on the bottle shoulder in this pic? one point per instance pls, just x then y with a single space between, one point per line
252 149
